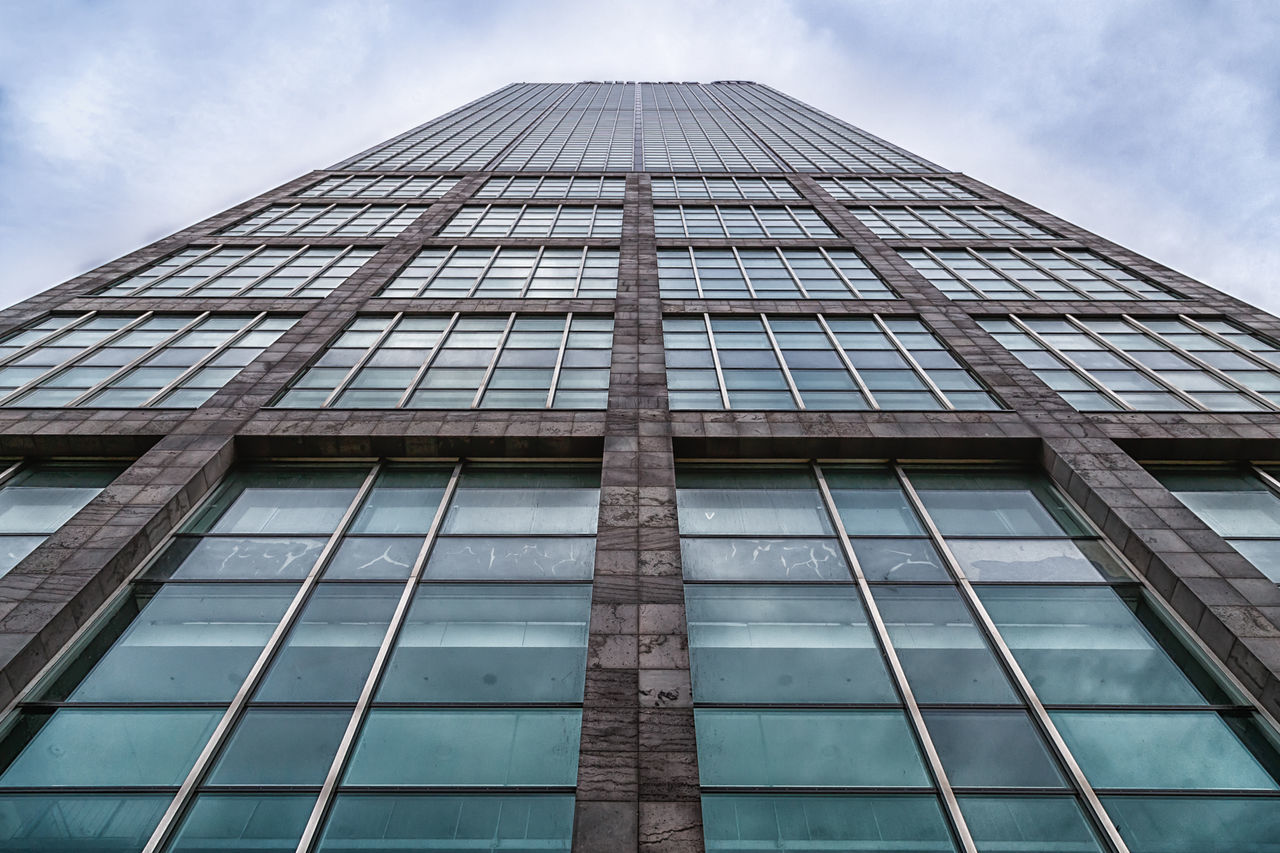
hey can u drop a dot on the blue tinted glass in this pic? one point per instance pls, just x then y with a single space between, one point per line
1029 825
1130 749
371 822
533 747
807 748
243 823
1197 824
79 823
108 748
783 644
745 824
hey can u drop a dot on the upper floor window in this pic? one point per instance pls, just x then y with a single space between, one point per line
950 223
36 499
359 186
267 271
778 189
509 272
559 220
1030 274
767 274
895 189
327 220
575 187
740 222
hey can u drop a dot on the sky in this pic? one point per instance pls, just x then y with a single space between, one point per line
1154 124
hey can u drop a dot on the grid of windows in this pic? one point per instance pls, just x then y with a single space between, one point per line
833 363
808 140
509 272
361 186
1173 364
903 658
467 138
591 128
895 189
327 220
742 223
368 644
684 129
1029 274
131 360
517 361
767 274
612 188
268 271
37 499
952 223
1240 503
549 220
779 189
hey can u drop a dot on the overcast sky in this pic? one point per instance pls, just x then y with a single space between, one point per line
1155 124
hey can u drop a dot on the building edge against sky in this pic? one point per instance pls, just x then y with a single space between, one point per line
755 482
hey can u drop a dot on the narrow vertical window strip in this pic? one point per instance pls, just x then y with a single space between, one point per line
715 361
427 362
555 372
782 363
915 365
362 361
493 362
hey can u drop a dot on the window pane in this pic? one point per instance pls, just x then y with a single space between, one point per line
190 642
330 650
221 558
1034 560
275 747
271 501
779 644
1029 825
365 822
523 511
753 512
107 748
33 509
763 560
1167 750
493 643
1197 824
75 823
1086 646
467 748
899 560
512 558
944 655
824 823
402 501
807 748
240 822
370 557
992 749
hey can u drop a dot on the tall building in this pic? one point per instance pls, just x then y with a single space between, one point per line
657 467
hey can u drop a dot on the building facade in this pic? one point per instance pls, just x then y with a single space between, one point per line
661 467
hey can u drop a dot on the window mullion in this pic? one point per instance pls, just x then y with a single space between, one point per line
168 823
1031 294
742 270
1070 285
782 256
315 275
56 369
201 363
50 336
1134 363
347 744
782 362
267 274
693 265
1216 373
1065 359
426 363
915 365
533 269
848 363
896 671
197 259
715 361
355 368
988 628
555 373
582 270
493 362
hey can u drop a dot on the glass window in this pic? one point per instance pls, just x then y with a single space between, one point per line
102 823
1029 825
399 186
438 822
304 272
737 824
508 272
956 222
885 189
38 499
242 822
992 749
271 746
1195 824
559 220
807 748
327 220
681 221
777 273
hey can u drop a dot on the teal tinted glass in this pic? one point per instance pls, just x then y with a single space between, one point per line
1164 749
403 500
272 746
242 822
520 558
329 652
976 503
190 642
532 509
467 748
375 822
79 823
753 512
227 558
746 824
280 501
1035 560
992 749
807 748
783 644
945 656
1087 646
871 503
1029 825
1197 824
734 559
491 643
374 558
105 748
899 560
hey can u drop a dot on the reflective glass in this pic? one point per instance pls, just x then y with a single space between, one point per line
971 503
224 558
79 823
402 501
807 748
242 822
1168 749
491 643
511 558
899 560
1197 824
1087 646
783 644
1029 825
105 748
942 651
467 748
753 512
520 824
763 560
839 824
374 557
992 749
271 746
331 648
524 511
1035 560
280 501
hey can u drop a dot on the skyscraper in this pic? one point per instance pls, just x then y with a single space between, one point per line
639 466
